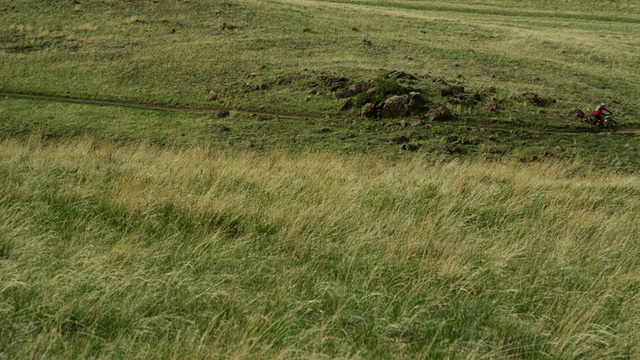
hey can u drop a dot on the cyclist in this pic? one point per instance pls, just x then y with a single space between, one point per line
600 114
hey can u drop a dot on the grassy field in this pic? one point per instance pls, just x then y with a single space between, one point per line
139 252
175 52
177 180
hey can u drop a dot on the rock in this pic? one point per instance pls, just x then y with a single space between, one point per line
341 94
491 107
397 75
248 144
211 96
221 114
439 80
450 149
451 90
347 135
325 130
333 83
360 86
396 106
400 139
226 26
533 99
223 129
476 96
438 114
368 110
346 105
410 147
490 89
495 150
579 114
284 81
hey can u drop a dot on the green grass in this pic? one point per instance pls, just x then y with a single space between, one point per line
128 52
141 252
290 229
516 139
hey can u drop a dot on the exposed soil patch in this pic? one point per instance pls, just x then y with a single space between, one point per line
439 113
534 99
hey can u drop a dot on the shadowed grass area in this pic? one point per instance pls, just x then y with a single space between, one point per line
517 139
149 253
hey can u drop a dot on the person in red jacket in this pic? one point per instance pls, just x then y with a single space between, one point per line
600 113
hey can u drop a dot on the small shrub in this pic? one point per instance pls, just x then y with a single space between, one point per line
382 89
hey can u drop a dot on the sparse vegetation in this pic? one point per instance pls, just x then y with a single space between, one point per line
197 179
381 90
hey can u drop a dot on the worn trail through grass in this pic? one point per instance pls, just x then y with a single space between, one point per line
629 129
139 105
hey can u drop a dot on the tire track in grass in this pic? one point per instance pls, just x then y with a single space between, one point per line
145 106
631 129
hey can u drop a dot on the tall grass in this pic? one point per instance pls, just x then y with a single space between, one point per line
141 252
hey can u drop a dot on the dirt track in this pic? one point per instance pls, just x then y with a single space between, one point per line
138 105
634 129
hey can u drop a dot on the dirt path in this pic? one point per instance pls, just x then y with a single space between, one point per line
143 106
634 129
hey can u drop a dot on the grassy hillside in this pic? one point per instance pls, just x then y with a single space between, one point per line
265 59
175 52
140 252
185 179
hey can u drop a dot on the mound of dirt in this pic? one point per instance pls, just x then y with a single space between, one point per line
439 113
360 86
400 139
410 147
579 114
368 110
451 90
534 99
396 106
401 75
491 107
333 83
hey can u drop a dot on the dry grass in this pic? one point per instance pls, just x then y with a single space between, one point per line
151 253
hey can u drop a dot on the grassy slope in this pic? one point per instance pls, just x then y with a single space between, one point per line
126 50
145 233
21 118
140 252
